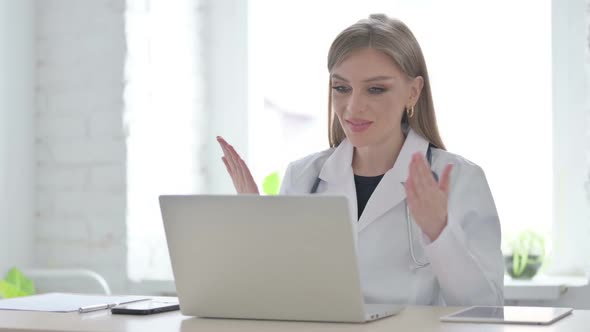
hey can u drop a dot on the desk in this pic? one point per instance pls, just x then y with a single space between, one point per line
418 318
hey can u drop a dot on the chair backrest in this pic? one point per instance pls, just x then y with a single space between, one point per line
64 280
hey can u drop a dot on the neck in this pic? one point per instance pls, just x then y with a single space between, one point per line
377 159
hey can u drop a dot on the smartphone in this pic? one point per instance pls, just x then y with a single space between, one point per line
145 307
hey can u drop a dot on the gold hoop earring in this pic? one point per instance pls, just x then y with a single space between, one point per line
410 111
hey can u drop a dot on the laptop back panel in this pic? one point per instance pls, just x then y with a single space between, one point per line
264 257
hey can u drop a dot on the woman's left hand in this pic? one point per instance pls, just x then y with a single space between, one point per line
427 199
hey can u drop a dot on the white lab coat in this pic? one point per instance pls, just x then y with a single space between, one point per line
466 263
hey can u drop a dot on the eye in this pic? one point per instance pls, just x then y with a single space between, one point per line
341 89
376 90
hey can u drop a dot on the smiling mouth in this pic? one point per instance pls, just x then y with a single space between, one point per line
358 126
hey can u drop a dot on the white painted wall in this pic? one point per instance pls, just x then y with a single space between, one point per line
571 227
17 152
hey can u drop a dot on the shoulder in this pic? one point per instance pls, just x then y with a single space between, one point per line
301 173
468 180
461 165
314 161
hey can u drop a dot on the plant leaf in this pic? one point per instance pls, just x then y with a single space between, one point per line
526 244
271 184
8 290
516 265
23 284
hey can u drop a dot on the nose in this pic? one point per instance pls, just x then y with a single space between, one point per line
356 102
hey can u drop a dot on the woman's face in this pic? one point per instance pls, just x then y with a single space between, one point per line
369 95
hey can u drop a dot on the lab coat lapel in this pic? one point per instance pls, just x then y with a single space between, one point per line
338 176
391 191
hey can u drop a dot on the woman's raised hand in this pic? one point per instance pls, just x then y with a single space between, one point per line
427 199
237 169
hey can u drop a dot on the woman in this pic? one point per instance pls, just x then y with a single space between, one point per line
387 157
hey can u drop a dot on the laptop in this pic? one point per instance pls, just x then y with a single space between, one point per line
266 257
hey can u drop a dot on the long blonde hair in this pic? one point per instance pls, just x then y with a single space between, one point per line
394 38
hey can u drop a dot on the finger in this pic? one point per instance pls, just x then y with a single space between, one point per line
226 164
417 181
243 170
411 195
230 165
446 179
229 160
235 157
244 178
224 148
235 166
220 140
229 156
222 143
234 154
228 150
247 177
426 176
411 182
231 173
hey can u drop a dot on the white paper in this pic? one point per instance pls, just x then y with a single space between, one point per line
63 302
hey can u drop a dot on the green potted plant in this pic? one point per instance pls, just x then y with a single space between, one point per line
525 255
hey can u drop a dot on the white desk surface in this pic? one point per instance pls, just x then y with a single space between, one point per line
418 318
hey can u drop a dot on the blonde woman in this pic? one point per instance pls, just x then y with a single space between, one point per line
428 230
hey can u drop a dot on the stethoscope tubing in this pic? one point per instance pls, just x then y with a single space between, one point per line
418 263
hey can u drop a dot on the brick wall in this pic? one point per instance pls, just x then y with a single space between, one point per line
80 139
82 211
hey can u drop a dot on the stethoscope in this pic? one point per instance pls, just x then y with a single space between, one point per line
418 263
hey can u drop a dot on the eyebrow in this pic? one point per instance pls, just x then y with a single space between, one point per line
372 79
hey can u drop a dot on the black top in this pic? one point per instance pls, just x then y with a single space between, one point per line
365 185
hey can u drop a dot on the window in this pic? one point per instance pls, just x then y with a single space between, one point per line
162 100
491 71
490 74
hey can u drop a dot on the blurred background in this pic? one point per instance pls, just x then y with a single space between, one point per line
106 104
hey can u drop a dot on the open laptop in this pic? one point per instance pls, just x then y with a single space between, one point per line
266 257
